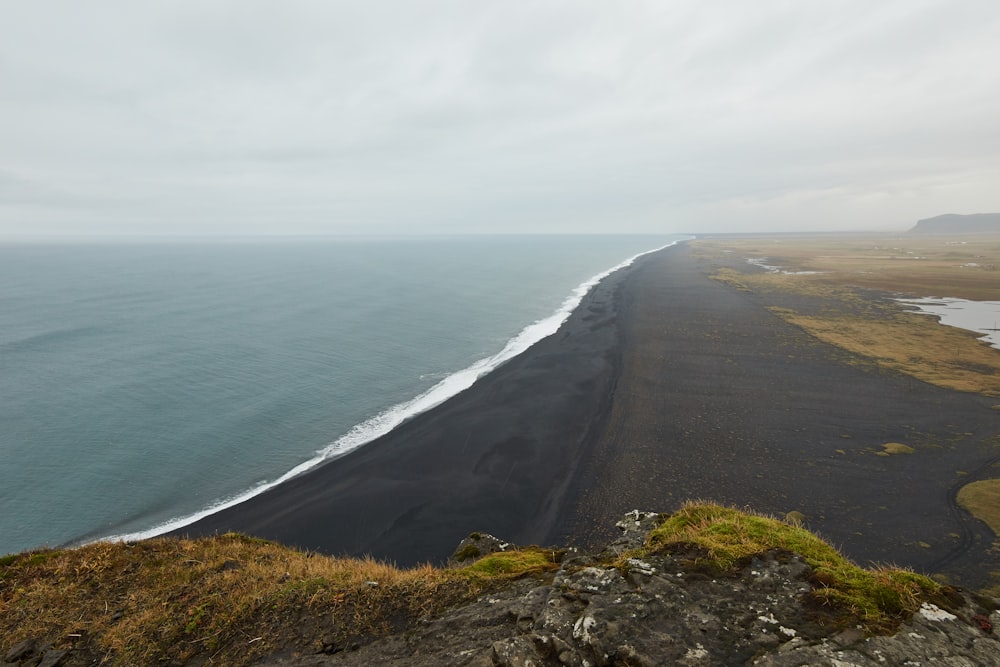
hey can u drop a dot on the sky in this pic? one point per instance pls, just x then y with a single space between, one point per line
441 117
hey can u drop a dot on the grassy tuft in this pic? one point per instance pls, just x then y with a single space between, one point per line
879 598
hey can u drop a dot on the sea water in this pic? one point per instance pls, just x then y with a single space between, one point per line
143 384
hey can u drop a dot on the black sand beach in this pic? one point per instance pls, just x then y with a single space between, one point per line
664 385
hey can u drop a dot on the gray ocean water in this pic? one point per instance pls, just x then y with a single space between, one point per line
141 383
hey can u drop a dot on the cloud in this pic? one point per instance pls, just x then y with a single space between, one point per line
388 117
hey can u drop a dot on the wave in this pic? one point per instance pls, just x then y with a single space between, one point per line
389 419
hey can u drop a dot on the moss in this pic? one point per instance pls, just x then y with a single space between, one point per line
513 563
877 598
468 552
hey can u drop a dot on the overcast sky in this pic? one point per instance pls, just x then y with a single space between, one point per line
295 117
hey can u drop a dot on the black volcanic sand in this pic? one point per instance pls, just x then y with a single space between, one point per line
720 399
664 385
496 458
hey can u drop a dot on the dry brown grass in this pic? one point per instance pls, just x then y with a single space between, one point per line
916 345
835 307
897 448
230 598
913 265
982 500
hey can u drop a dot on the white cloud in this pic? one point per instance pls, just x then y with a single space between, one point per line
311 117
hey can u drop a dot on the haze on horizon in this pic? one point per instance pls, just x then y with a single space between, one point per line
393 117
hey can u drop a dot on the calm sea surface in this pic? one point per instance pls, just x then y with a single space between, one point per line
143 383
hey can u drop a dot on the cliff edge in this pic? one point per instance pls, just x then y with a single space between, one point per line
953 223
706 585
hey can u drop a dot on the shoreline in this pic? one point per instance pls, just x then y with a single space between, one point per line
490 458
384 422
664 385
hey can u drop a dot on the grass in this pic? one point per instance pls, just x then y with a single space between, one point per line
876 598
835 304
915 345
231 600
228 599
982 500
966 267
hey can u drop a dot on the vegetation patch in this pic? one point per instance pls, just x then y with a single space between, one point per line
226 600
513 563
795 518
915 345
897 448
879 598
982 500
833 299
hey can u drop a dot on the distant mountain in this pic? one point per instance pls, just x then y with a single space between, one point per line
952 223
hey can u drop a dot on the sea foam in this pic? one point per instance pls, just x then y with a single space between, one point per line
389 419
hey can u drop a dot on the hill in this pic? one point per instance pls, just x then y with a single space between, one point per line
953 223
707 585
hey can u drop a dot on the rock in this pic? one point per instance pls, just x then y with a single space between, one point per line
476 546
661 610
53 658
21 650
28 652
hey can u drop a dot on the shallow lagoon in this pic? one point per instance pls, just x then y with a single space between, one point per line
982 317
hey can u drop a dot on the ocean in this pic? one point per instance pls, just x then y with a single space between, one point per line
144 384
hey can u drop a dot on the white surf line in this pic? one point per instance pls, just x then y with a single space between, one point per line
389 419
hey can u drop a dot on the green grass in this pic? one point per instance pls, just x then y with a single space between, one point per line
878 598
513 563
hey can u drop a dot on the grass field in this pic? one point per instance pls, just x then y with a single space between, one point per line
840 290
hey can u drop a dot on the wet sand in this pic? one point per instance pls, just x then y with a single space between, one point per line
496 458
664 385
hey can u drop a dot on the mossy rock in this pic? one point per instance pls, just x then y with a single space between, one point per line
468 552
877 598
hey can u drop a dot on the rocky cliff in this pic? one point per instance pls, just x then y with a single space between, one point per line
672 608
953 223
704 586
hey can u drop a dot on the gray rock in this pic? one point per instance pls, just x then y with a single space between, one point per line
476 546
658 610
21 650
53 658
